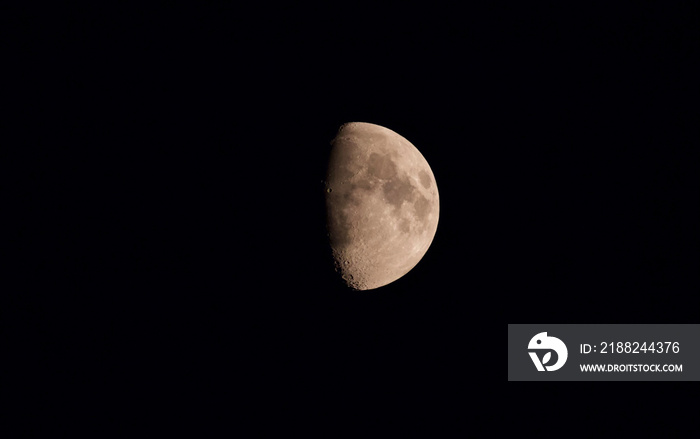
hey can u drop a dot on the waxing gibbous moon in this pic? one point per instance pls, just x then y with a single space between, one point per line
382 205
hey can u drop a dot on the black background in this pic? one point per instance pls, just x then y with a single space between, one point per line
172 239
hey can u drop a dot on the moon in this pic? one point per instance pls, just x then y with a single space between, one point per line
382 205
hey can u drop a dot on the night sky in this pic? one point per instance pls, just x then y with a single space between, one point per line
175 232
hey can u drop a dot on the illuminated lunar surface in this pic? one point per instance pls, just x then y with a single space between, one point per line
382 205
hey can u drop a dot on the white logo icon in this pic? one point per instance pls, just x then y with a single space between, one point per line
542 342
